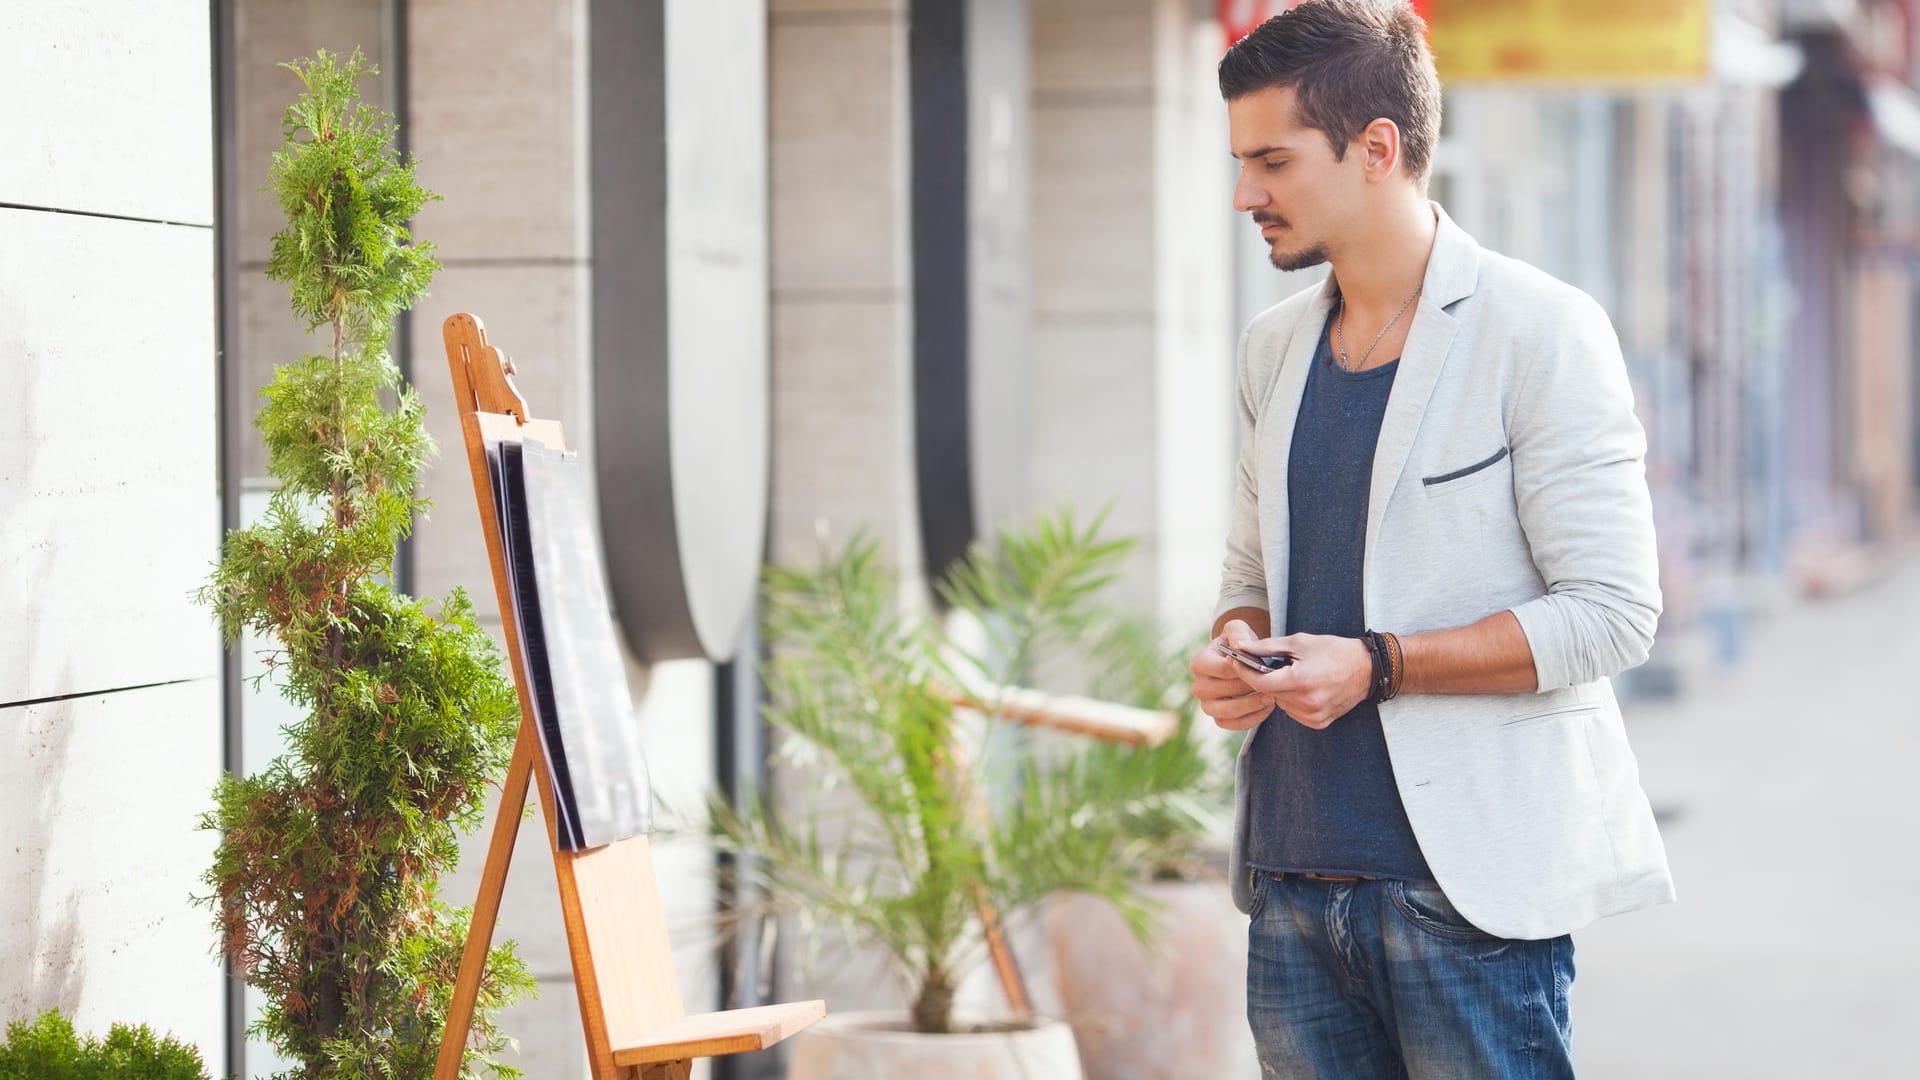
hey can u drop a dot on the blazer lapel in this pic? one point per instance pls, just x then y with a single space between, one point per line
1452 271
1283 407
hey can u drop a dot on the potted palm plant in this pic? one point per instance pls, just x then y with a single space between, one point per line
894 839
1173 1003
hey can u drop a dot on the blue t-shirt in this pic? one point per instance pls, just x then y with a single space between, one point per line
1326 800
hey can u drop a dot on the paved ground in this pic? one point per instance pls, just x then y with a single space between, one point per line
1791 793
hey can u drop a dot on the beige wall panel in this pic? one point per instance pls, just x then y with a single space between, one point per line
837 122
840 415
499 125
831 8
1093 394
1094 442
537 314
548 1027
108 108
108 513
530 912
674 706
99 799
1093 49
1093 209
1195 337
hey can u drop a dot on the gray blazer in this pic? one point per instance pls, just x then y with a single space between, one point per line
1509 475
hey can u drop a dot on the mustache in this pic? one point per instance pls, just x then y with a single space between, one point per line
1269 219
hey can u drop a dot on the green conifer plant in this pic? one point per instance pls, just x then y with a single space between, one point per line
324 881
50 1049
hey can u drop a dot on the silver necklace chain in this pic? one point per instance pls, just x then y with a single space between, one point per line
1340 329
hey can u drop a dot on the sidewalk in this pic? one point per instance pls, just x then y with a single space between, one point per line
1790 805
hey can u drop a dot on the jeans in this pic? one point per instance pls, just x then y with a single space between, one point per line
1383 978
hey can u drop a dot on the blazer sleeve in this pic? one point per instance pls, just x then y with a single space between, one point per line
1579 479
1243 576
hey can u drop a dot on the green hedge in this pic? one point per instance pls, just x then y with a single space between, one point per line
49 1049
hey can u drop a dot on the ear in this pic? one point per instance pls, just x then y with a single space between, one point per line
1380 149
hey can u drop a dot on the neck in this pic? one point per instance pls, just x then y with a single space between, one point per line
1378 271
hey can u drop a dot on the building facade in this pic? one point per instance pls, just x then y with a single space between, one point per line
794 269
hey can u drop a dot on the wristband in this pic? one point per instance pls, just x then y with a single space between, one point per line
1388 666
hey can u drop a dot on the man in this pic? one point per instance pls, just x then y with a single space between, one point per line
1442 511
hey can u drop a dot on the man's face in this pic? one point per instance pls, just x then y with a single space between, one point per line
1296 192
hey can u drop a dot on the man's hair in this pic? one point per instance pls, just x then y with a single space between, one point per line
1349 63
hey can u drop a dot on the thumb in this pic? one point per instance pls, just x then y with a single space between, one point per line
1238 634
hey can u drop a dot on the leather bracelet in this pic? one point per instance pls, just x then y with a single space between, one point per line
1377 649
1373 674
1396 667
1388 666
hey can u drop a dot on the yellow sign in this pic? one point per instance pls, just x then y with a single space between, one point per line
1611 41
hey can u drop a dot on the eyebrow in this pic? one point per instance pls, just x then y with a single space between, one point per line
1260 153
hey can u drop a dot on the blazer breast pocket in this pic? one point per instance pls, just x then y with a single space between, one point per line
1467 476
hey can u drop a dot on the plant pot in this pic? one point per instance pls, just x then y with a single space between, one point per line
882 1046
1180 1010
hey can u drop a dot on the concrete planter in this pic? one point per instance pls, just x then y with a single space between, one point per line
1181 1011
880 1046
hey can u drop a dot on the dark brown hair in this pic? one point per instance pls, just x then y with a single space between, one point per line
1349 63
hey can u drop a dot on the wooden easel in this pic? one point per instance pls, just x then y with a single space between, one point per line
636 1026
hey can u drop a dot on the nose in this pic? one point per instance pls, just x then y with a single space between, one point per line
1247 194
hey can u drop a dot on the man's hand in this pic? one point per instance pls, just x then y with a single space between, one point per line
1218 684
1328 676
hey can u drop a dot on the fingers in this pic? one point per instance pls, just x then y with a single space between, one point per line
1273 646
1239 635
1247 724
1315 706
1273 683
1238 708
1236 715
1210 663
1210 687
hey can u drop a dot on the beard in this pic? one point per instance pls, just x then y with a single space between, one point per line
1311 255
1298 259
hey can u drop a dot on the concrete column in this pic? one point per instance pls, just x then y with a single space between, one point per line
109 516
1131 398
842 306
1000 266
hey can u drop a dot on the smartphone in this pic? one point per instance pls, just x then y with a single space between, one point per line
1257 663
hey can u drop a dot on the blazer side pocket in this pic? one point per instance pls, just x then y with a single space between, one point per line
1432 482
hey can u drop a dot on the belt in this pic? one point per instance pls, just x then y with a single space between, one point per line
1313 875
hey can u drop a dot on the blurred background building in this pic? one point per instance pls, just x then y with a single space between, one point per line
908 266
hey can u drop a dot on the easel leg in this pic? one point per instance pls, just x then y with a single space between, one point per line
486 908
1012 983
